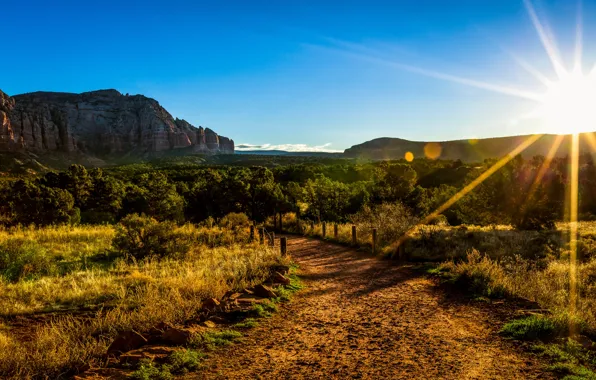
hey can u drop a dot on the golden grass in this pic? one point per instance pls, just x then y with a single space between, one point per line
133 295
65 242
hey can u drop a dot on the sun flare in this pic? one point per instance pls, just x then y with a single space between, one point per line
569 105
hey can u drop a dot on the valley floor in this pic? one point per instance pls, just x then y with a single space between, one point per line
360 317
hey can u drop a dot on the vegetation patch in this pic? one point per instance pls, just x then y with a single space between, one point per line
535 327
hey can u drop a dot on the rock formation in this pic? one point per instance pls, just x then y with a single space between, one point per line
6 134
101 123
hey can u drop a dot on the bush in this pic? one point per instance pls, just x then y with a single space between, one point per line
534 327
24 259
234 221
392 220
139 237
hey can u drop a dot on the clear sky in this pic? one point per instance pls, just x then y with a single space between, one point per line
318 73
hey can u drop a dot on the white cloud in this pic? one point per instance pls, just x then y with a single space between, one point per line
289 147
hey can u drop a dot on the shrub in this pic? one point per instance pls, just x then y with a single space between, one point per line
392 220
139 237
234 221
23 259
185 361
534 327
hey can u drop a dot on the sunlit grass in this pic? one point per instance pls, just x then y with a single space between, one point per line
129 295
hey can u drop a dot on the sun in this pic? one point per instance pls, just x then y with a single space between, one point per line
569 104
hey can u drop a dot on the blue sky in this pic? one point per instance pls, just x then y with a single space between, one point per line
295 72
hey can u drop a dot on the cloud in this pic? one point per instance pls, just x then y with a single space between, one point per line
289 147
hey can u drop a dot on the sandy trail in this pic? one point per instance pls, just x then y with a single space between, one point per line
360 317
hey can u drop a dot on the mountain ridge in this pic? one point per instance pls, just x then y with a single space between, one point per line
468 150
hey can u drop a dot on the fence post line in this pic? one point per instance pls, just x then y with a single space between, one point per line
262 235
272 241
354 238
252 233
283 245
335 231
374 240
324 229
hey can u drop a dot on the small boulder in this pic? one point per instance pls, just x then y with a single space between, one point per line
176 336
126 341
279 278
283 269
157 354
209 324
264 291
210 304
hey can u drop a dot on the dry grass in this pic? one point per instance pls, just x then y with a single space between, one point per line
138 295
65 242
526 264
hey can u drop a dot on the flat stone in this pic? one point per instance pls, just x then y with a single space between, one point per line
127 341
176 336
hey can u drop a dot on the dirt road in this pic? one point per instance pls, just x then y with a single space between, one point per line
360 317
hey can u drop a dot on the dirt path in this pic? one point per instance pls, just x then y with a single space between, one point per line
360 317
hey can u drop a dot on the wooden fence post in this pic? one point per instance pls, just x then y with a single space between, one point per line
354 238
283 244
281 227
312 226
272 241
374 240
252 233
261 235
335 231
274 221
324 230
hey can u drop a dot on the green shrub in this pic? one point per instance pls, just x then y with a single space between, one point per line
139 237
184 361
213 339
149 371
24 259
534 327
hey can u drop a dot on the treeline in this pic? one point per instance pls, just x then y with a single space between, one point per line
525 193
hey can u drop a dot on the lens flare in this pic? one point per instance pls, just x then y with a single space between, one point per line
433 150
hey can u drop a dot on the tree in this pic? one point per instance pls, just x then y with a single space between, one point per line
41 205
154 196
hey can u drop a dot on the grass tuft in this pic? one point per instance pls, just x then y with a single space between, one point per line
534 328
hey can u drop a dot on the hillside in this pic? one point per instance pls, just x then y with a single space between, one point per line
104 124
465 150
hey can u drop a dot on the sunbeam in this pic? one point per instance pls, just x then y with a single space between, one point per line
578 39
573 214
547 42
545 165
471 186
443 76
591 139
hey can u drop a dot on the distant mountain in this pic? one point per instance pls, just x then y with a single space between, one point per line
466 150
287 153
102 124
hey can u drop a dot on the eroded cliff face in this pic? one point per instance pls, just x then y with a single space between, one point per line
7 141
100 123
